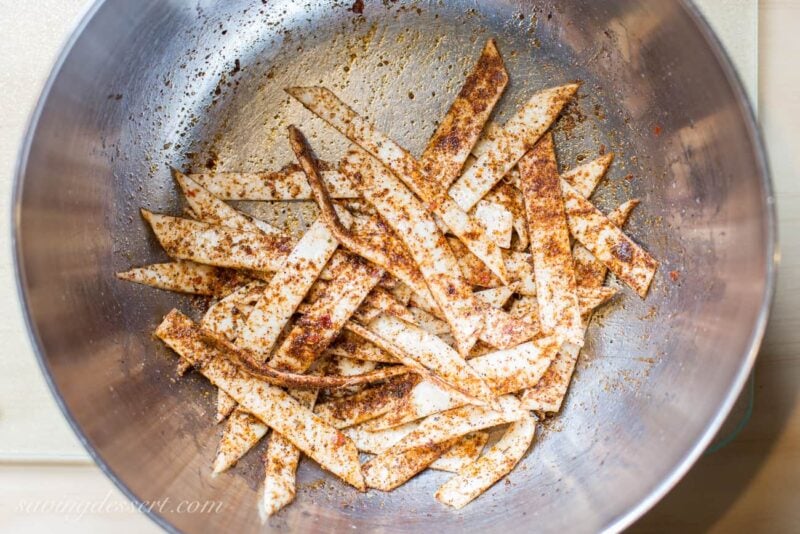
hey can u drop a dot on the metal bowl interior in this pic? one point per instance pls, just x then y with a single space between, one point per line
149 84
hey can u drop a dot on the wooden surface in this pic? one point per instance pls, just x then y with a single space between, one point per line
753 484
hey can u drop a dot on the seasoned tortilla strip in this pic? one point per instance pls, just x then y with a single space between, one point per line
518 266
331 109
186 277
510 197
381 301
466 450
588 271
379 441
242 432
584 178
356 347
434 354
323 443
499 222
414 225
479 476
427 321
288 183
496 296
507 371
225 406
210 209
556 290
366 404
627 260
517 136
227 317
456 422
462 125
218 245
391 469
319 326
286 290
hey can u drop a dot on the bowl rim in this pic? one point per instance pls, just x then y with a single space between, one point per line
647 500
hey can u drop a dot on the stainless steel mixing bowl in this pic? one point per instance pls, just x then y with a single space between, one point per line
146 84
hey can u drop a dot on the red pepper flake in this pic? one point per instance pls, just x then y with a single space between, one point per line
657 130
674 276
339 440
358 7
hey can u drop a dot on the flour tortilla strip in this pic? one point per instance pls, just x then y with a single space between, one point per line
381 301
499 222
366 404
471 232
225 406
210 209
517 136
288 183
414 225
466 450
392 469
510 197
186 277
500 460
462 125
518 266
427 321
459 421
553 267
584 178
312 333
242 432
497 297
218 245
323 443
378 441
588 271
506 371
286 290
627 260
356 347
434 354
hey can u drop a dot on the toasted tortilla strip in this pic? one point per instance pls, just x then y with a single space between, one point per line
414 225
496 296
366 404
434 354
286 290
391 469
499 222
506 371
627 260
353 346
517 136
427 321
331 109
218 245
510 197
225 406
323 443
518 266
584 178
556 289
378 441
187 277
242 432
381 301
456 422
588 271
479 476
288 183
323 320
466 450
450 146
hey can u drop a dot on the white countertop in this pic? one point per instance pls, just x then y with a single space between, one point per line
40 458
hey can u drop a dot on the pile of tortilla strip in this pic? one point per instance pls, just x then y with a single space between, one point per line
432 300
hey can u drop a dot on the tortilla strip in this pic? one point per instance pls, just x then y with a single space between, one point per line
449 147
288 183
242 432
378 441
588 271
381 301
427 321
323 443
392 469
517 136
627 260
510 197
499 222
584 178
286 290
434 354
225 406
506 371
208 208
324 319
218 245
186 277
331 109
358 348
366 404
466 450
479 476
551 252
414 225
